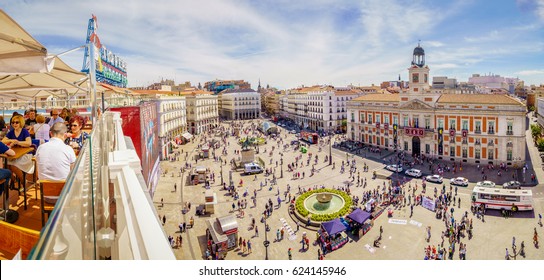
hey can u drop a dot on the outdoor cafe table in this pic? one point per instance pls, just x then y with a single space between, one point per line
19 152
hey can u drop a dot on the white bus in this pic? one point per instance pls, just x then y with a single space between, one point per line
497 198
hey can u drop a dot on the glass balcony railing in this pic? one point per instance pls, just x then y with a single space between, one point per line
103 207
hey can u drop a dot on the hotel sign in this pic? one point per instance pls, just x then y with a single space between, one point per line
411 131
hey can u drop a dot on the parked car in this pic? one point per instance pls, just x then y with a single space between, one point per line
434 178
394 168
512 185
413 172
485 184
460 181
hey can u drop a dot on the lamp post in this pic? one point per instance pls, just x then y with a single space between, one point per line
266 243
221 163
330 150
281 161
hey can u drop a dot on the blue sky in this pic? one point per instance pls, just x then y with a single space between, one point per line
289 43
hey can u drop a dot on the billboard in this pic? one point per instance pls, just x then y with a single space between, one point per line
140 123
110 68
150 143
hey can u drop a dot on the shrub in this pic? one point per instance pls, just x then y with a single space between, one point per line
299 205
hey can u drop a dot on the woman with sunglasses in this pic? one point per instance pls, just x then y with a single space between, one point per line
19 136
76 137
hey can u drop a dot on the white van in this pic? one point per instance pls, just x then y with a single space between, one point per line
252 168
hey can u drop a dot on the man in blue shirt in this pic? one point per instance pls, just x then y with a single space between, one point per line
55 118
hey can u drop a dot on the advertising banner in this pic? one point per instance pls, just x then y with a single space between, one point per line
428 203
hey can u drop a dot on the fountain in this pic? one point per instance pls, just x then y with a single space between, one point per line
324 203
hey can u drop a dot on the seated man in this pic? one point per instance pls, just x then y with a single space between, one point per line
54 158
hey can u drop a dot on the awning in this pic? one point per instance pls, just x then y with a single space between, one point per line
359 216
228 223
333 227
200 169
61 81
215 232
187 135
19 52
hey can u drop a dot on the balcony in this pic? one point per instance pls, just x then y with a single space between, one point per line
478 131
104 211
491 131
509 132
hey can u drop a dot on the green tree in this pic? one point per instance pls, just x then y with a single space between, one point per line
536 130
540 144
344 125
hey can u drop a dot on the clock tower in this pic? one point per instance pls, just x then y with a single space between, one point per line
418 81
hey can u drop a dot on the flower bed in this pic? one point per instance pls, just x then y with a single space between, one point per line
299 205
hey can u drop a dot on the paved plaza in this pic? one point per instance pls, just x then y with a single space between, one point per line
401 241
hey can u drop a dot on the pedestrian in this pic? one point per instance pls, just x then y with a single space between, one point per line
180 227
162 202
248 246
298 225
175 187
256 231
164 219
289 254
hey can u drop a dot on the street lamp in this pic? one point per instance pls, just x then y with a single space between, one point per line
221 163
281 174
330 150
266 243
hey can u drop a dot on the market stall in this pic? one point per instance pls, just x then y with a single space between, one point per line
360 222
198 175
216 240
205 151
187 137
229 227
332 235
210 201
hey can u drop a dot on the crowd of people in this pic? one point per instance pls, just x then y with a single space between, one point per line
55 140
299 165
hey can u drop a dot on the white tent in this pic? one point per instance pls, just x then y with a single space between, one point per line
62 78
19 52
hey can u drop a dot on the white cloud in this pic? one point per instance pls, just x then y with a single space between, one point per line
284 43
530 72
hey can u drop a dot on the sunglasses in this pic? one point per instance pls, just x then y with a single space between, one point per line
55 114
72 125
15 123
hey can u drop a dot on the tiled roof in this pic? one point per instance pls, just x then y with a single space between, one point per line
378 97
195 92
499 99
235 90
153 91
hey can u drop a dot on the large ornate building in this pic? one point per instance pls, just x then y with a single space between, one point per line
320 108
475 128
202 111
239 104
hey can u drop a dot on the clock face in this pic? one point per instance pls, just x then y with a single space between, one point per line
415 77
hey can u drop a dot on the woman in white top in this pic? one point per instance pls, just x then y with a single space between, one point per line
41 129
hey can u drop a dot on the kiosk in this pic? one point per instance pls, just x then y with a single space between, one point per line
332 236
358 220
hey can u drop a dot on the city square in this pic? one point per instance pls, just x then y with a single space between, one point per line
404 237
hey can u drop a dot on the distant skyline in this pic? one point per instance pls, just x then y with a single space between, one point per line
288 43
